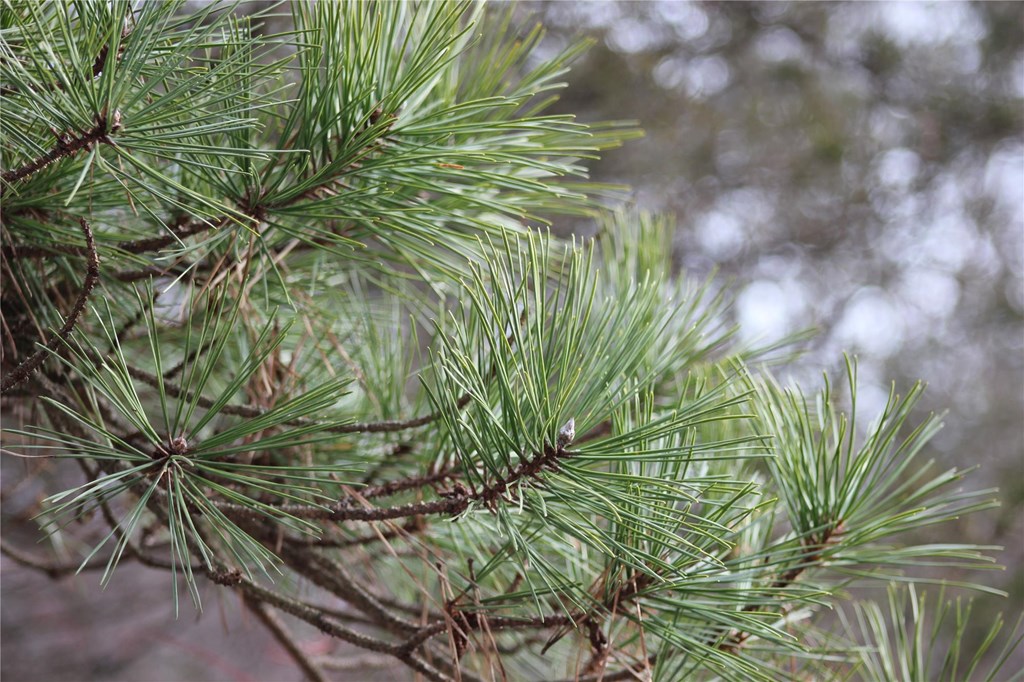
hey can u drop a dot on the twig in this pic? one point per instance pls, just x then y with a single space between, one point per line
188 359
474 621
401 484
411 527
333 577
176 391
233 578
396 425
452 503
816 548
355 662
633 672
53 569
65 147
22 371
277 628
174 234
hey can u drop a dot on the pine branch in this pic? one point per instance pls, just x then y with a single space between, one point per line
334 577
234 579
98 64
414 526
66 147
175 391
30 364
398 485
54 569
388 173
183 230
451 503
281 634
735 641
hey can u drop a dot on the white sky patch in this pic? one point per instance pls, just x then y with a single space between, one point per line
898 167
720 235
948 242
930 22
934 292
631 35
707 76
769 310
871 323
687 19
699 77
1004 178
781 44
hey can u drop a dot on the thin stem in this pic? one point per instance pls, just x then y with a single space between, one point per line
187 360
452 503
176 391
174 234
281 634
412 527
355 662
22 371
65 147
633 672
397 425
333 577
399 485
816 549
476 621
233 578
51 568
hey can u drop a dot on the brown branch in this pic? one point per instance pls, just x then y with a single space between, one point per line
815 548
315 617
188 359
452 503
360 663
402 484
58 570
248 412
65 147
342 511
397 425
633 672
234 578
22 371
181 230
151 271
413 526
51 568
175 234
281 634
475 621
334 577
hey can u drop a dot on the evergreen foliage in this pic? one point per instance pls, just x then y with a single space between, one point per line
288 301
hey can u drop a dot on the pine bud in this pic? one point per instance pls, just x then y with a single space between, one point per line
566 433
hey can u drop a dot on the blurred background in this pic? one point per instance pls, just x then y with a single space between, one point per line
857 167
854 167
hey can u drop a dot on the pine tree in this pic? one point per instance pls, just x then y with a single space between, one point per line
289 302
